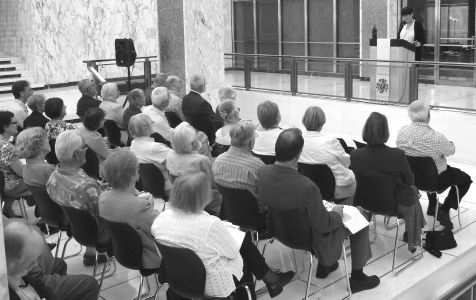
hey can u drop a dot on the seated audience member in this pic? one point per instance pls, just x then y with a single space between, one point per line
419 139
36 103
121 204
320 149
185 145
87 100
238 168
92 121
160 100
197 110
10 164
377 159
146 149
174 85
21 90
230 115
226 92
282 187
159 81
136 101
69 186
33 273
114 111
56 110
268 130
187 225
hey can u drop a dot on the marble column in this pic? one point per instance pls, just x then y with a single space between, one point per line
373 13
191 40
393 18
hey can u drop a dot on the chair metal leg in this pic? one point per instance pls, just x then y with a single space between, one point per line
346 273
309 278
437 207
58 243
387 224
248 292
23 208
159 286
102 276
140 287
413 260
374 225
110 268
64 247
459 213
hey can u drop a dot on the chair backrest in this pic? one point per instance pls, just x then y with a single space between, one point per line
50 211
51 157
203 124
127 244
83 226
376 194
221 148
159 138
184 271
267 159
151 180
239 207
347 149
360 144
323 177
425 172
91 166
173 119
113 133
291 227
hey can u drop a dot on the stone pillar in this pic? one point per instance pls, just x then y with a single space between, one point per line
393 18
191 40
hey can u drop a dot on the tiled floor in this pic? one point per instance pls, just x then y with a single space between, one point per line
124 284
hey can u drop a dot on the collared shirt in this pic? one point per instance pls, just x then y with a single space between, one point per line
161 125
321 149
8 156
266 140
54 127
20 110
238 169
114 111
419 139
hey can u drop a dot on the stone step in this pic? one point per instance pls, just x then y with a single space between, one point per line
11 80
11 67
10 60
8 88
19 73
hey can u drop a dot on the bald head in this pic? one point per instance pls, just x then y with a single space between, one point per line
419 111
289 145
160 97
87 87
160 79
197 83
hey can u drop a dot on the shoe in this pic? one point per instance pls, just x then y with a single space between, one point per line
275 288
323 271
444 219
52 246
89 259
405 237
370 282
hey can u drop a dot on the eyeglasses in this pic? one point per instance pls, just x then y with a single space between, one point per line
30 267
152 122
14 123
82 148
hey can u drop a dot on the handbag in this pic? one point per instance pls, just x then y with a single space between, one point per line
436 241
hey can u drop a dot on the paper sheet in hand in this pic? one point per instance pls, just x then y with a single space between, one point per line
353 219
237 234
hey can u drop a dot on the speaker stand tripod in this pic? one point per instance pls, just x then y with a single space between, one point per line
128 83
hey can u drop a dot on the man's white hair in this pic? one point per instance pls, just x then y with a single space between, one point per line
159 95
227 92
418 111
66 145
197 81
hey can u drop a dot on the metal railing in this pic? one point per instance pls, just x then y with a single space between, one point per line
351 68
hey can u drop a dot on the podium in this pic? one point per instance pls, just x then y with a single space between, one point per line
391 81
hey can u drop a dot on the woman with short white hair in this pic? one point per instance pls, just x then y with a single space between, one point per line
187 225
268 131
146 149
36 103
114 111
185 145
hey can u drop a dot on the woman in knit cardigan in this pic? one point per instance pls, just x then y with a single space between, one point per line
412 31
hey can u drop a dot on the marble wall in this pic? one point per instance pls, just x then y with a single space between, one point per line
373 12
228 27
9 27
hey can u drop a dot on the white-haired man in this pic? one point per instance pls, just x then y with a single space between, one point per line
419 139
70 186
33 273
87 100
174 85
198 111
159 81
160 100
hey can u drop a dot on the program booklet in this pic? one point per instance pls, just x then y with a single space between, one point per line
353 218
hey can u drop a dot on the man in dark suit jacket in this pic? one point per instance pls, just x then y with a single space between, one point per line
198 111
88 90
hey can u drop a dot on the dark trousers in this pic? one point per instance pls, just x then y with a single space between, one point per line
451 176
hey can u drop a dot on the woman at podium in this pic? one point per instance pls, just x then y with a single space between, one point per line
412 31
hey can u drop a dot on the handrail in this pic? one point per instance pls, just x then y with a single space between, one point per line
154 58
354 59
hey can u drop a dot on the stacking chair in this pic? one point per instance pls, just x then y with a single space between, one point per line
52 214
113 133
291 228
127 247
173 119
377 195
267 159
426 179
185 273
219 149
5 199
85 232
151 180
51 157
323 177
347 149
91 166
360 144
240 208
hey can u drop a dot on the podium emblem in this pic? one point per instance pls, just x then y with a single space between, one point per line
382 87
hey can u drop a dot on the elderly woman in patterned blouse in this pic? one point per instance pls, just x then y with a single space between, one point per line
10 164
226 261
56 110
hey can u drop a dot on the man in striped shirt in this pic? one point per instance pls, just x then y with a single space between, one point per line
238 168
419 139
